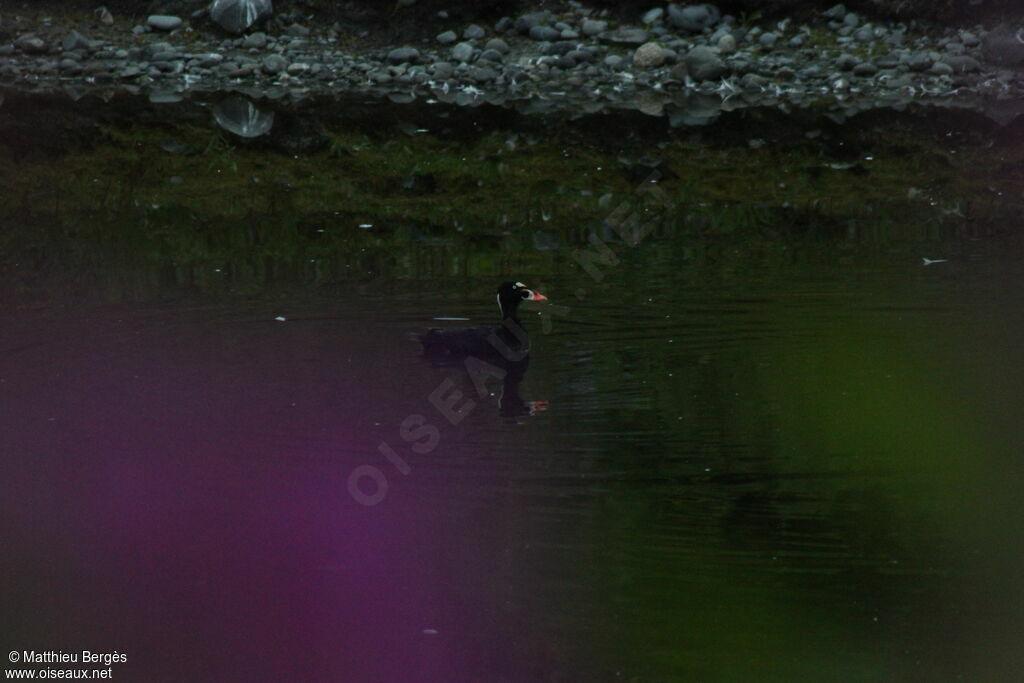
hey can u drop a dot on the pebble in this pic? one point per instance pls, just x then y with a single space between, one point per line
704 64
208 61
473 32
462 52
74 41
969 39
256 40
401 55
920 61
628 36
652 16
648 56
31 44
447 38
962 63
497 44
163 22
544 33
528 21
592 27
693 18
768 40
846 62
274 64
679 72
484 74
442 70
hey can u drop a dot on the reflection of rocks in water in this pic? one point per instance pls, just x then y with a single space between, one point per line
243 118
700 110
1004 111
649 103
648 170
282 131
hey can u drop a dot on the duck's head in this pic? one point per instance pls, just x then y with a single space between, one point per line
511 294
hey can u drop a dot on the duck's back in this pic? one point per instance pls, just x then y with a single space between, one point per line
467 341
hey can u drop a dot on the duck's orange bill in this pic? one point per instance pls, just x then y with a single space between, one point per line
537 296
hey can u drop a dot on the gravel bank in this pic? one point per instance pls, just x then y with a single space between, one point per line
683 61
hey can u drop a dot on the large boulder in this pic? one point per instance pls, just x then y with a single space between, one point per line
1004 45
238 15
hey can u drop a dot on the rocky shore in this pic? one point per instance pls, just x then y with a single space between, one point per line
681 60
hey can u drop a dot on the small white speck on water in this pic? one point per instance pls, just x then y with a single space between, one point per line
280 318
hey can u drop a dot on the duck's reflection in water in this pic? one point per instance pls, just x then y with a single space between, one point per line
510 402
479 377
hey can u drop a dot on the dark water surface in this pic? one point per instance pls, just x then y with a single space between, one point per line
776 448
